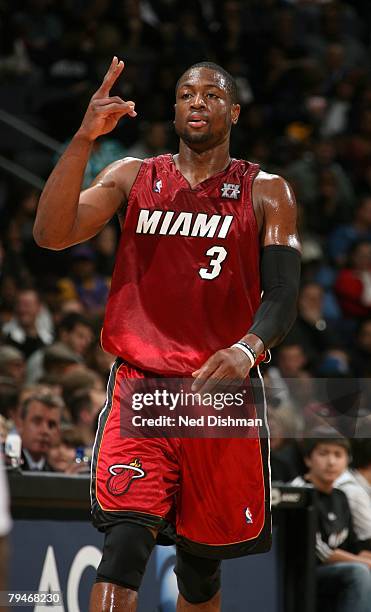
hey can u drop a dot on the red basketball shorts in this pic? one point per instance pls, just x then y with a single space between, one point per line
211 495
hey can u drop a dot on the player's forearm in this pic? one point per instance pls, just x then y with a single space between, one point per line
280 273
58 205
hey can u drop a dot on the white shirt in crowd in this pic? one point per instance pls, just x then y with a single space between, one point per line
358 491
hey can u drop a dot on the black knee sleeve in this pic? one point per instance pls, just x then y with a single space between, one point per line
198 579
127 548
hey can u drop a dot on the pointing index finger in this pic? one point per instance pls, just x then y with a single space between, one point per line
111 76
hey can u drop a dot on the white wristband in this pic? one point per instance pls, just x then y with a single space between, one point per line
246 351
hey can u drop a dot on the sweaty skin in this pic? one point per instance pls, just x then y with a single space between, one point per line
204 115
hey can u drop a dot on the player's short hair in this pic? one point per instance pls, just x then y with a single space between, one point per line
231 84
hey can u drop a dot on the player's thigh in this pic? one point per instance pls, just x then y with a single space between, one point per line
130 474
225 498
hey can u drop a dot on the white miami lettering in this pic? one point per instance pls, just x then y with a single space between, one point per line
147 223
182 224
205 226
225 226
170 223
166 222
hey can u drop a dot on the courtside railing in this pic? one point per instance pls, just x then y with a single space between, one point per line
34 134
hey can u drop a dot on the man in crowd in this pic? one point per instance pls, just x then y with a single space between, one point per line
30 328
75 333
38 424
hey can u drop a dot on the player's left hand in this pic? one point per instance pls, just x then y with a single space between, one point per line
225 369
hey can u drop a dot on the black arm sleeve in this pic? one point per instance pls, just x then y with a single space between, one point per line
280 278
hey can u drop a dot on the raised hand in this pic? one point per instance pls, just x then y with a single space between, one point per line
105 111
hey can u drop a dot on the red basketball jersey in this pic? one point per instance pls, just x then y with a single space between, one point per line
186 281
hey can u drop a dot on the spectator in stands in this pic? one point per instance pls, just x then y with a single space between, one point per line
305 174
290 379
25 213
343 568
81 378
291 360
361 353
68 306
84 412
39 427
338 109
12 363
74 333
58 360
334 21
62 455
357 154
105 244
311 330
343 237
153 140
353 284
330 209
104 152
84 283
9 399
356 484
286 462
8 297
30 328
100 361
4 429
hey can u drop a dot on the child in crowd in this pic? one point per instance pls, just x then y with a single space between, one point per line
343 570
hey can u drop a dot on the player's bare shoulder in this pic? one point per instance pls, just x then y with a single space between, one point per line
272 190
275 209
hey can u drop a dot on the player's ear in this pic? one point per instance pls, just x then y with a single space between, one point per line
235 113
308 462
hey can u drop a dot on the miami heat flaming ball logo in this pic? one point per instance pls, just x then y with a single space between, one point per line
122 475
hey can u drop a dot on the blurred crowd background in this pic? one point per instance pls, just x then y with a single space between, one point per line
303 70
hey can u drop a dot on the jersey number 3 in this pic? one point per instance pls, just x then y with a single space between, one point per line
218 253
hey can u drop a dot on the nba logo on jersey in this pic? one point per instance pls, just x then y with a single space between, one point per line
248 515
230 190
157 186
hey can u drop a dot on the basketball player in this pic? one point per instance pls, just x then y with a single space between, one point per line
202 236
